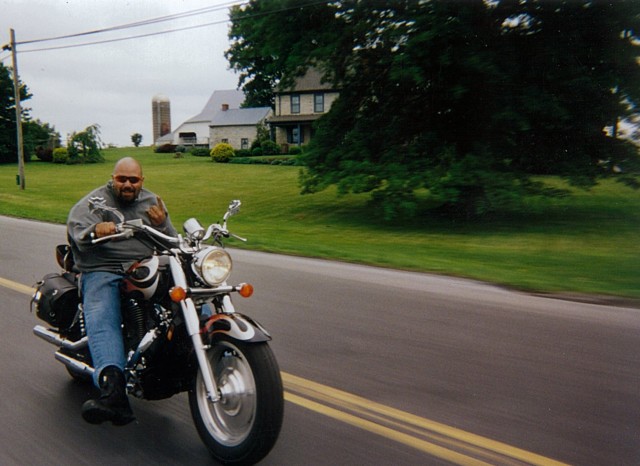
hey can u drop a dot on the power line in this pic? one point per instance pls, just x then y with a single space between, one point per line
133 25
154 21
146 22
124 38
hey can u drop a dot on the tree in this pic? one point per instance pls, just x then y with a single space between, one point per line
40 139
467 100
293 27
136 138
84 147
8 144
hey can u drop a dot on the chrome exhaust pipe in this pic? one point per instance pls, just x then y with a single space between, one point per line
54 338
77 366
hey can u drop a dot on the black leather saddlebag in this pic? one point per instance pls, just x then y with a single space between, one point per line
56 299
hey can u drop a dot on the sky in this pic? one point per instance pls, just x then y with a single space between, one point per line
112 84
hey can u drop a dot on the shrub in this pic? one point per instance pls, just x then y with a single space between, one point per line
60 155
164 149
243 153
200 152
222 152
44 153
279 160
270 148
295 150
241 160
180 149
256 151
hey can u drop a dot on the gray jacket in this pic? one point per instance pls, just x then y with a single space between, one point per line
115 255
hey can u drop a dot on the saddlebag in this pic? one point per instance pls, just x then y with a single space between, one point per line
56 299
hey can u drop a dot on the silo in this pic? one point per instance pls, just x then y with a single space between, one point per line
161 114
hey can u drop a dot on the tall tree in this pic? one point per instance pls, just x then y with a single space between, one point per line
273 41
39 139
8 138
467 99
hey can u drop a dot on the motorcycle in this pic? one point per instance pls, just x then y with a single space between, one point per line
181 333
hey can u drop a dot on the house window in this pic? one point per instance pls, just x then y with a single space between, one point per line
295 103
318 102
244 143
224 141
295 135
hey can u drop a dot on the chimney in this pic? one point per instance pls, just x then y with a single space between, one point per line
225 107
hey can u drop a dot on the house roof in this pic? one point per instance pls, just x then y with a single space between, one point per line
165 139
293 119
233 98
310 81
240 116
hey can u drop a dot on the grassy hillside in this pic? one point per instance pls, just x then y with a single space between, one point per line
585 243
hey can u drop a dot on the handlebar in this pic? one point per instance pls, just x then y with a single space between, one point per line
127 229
216 231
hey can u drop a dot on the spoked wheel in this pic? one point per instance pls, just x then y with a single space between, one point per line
243 426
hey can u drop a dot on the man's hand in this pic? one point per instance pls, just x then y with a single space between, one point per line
105 229
157 213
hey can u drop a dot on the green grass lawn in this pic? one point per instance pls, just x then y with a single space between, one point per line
585 243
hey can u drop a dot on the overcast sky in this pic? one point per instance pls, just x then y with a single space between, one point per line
112 84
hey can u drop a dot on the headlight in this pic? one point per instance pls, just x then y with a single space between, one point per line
212 264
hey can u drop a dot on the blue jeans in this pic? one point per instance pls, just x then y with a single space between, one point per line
103 320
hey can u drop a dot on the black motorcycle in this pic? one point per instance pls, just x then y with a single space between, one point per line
182 333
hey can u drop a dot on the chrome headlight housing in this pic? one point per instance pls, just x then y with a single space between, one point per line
193 229
212 264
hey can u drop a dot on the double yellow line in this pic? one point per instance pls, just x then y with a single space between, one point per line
16 286
430 437
433 438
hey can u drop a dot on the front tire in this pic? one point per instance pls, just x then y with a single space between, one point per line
243 426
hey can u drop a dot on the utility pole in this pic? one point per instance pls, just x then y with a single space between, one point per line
16 93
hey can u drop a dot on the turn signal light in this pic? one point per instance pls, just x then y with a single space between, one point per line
177 294
246 290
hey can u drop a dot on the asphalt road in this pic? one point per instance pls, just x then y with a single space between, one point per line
380 367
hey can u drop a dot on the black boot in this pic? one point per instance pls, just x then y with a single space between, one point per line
113 404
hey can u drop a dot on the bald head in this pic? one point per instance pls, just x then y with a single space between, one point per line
127 179
127 164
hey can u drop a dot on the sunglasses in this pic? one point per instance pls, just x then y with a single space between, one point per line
130 179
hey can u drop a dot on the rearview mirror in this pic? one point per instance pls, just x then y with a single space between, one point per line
234 207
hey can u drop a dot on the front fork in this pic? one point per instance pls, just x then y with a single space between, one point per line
193 329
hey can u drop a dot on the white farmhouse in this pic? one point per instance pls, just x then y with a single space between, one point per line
195 131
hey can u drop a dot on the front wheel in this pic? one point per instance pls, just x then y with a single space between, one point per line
243 426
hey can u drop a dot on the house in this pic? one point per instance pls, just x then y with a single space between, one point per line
237 127
195 131
298 107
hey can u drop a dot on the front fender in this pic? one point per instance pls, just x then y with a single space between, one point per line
237 326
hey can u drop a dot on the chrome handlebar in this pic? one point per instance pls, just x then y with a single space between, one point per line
126 229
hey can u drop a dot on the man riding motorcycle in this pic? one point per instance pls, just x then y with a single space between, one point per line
103 266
